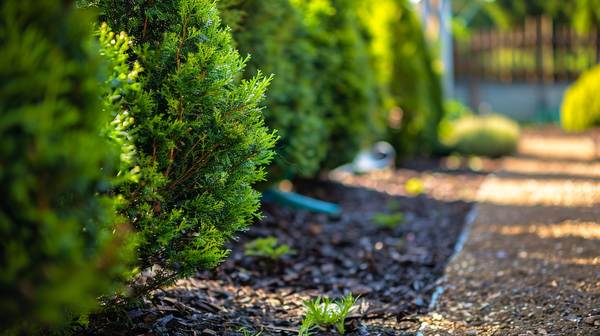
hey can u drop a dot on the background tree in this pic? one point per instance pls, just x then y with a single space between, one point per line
409 85
323 100
273 33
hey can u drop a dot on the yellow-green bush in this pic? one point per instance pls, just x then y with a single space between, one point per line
492 135
580 108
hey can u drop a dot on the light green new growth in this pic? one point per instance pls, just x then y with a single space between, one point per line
267 247
247 333
326 313
388 221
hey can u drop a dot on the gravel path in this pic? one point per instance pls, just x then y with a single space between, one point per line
531 262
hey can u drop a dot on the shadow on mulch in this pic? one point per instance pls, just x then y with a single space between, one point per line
394 270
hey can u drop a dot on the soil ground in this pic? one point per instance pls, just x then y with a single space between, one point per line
530 263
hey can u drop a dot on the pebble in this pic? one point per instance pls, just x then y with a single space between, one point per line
592 320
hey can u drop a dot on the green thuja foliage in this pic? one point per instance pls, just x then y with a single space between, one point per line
405 70
580 108
119 92
59 246
323 98
199 138
416 87
273 33
346 85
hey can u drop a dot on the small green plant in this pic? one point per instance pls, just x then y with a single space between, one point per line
267 247
388 221
324 313
414 186
247 333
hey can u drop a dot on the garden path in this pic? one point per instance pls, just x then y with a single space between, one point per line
531 260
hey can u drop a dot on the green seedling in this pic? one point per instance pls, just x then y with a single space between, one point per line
393 206
388 221
401 242
324 313
247 333
267 247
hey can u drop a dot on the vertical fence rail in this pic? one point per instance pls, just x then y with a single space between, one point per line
537 51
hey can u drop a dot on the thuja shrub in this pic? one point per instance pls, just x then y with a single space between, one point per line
410 87
345 84
323 100
59 244
200 139
416 87
281 45
580 108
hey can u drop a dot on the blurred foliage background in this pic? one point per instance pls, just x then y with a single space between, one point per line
342 68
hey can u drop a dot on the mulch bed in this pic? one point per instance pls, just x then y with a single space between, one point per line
394 270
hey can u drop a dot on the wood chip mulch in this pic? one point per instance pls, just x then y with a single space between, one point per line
394 270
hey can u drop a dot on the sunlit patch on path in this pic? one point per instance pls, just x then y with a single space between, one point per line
573 147
441 186
587 230
533 166
567 193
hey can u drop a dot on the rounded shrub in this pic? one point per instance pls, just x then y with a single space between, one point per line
60 247
580 108
198 138
492 135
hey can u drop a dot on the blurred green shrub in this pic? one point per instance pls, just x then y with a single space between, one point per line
201 139
492 135
324 95
60 247
407 73
346 83
580 108
273 33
